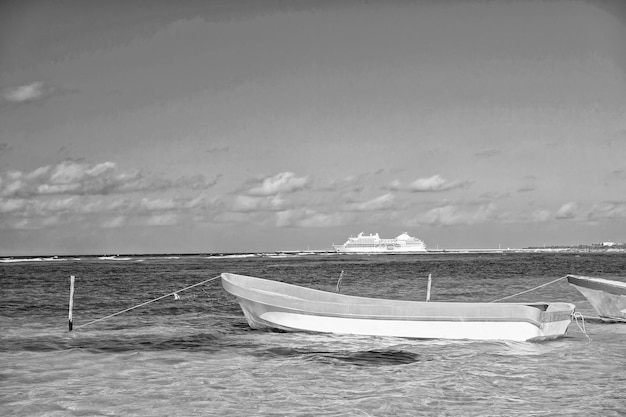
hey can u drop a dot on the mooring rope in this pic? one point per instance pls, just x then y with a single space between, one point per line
174 293
532 289
577 315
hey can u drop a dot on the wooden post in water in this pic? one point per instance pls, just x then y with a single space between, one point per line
71 324
338 289
430 281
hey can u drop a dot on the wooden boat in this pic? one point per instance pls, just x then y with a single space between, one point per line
606 296
280 306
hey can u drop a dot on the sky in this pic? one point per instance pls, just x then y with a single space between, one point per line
242 126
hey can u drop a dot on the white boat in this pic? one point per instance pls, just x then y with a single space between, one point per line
275 305
373 243
606 296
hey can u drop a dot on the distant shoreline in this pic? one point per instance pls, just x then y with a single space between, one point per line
293 253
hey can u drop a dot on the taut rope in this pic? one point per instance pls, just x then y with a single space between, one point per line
575 315
532 289
175 294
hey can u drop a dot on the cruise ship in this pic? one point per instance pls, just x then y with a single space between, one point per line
374 244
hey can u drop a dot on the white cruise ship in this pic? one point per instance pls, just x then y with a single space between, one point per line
374 244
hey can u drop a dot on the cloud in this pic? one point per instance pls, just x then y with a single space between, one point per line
451 215
113 223
162 205
244 203
169 219
567 211
541 215
79 178
382 202
494 195
103 204
615 177
25 224
526 188
196 182
488 153
308 218
351 183
529 184
284 182
29 92
96 194
45 211
607 210
430 184
12 205
159 204
57 205
217 149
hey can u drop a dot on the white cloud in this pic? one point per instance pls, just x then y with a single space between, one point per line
307 218
567 211
179 205
23 224
79 178
57 205
526 188
530 184
114 222
50 221
74 192
24 93
11 187
607 210
451 215
350 183
284 182
57 188
430 184
244 203
382 202
38 173
488 153
169 219
103 204
541 215
158 204
12 205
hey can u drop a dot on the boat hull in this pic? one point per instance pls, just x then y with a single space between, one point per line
607 297
278 306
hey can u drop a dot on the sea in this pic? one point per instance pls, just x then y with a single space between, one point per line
192 353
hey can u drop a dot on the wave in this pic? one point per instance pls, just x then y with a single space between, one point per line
37 259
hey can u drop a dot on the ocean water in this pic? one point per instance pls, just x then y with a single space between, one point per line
196 356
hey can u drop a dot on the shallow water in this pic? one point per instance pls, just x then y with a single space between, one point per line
197 356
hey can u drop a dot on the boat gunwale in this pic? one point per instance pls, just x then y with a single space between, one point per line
598 284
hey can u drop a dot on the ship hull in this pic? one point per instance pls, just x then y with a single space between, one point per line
341 249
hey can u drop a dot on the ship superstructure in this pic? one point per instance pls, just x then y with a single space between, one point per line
373 243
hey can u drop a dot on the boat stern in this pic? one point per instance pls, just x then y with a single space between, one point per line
555 321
